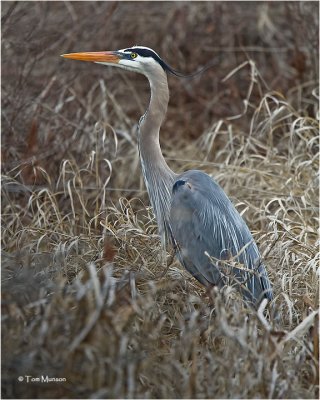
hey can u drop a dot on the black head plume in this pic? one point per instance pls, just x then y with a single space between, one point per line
146 52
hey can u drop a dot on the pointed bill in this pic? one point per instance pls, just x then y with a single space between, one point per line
96 56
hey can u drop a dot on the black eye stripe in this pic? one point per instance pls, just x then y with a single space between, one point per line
149 53
144 52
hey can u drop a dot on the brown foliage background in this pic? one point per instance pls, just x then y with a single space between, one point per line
85 295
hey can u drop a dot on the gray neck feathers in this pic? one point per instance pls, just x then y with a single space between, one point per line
157 175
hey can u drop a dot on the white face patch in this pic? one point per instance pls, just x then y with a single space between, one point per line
139 63
142 63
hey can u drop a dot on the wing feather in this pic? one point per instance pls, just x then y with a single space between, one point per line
204 221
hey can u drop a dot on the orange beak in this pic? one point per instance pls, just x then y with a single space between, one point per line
97 56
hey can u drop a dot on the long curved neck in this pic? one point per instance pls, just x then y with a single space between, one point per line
157 175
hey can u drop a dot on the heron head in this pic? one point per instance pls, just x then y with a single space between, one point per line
137 59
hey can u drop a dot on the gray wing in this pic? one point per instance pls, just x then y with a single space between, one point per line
203 220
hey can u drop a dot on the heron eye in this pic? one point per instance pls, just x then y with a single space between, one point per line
134 55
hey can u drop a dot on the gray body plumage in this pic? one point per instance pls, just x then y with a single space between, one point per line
193 213
207 227
196 217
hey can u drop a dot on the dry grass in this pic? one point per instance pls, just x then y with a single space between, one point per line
85 293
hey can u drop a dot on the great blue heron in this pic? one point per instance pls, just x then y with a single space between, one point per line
193 213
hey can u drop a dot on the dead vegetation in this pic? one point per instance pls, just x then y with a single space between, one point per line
85 295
